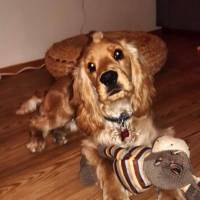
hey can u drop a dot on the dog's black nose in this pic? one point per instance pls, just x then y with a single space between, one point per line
109 78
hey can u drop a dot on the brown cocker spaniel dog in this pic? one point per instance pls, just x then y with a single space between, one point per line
109 97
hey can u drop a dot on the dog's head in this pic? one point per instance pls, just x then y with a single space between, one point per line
110 81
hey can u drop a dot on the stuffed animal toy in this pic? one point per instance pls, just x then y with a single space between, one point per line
166 166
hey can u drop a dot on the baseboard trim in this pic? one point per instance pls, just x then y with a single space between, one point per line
18 67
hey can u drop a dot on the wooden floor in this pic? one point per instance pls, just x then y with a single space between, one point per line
53 174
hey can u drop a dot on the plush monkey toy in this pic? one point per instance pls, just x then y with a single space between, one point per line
166 166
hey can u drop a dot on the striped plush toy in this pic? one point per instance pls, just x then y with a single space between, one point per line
166 166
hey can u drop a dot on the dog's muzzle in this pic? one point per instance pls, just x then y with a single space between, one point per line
109 79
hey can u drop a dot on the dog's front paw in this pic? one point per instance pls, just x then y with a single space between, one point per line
36 145
60 136
61 140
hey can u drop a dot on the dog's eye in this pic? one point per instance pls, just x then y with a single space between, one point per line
118 54
91 67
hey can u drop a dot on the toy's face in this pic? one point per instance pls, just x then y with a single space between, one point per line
166 143
168 169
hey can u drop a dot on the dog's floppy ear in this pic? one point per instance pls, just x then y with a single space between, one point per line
143 83
86 99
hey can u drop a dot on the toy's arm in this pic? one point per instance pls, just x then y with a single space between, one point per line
112 152
119 153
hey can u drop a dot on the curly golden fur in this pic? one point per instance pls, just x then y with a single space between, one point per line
95 102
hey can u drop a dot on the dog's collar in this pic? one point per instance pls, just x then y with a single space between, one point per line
124 116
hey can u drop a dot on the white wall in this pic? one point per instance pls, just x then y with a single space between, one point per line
29 27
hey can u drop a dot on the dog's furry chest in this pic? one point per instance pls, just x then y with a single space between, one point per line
141 132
